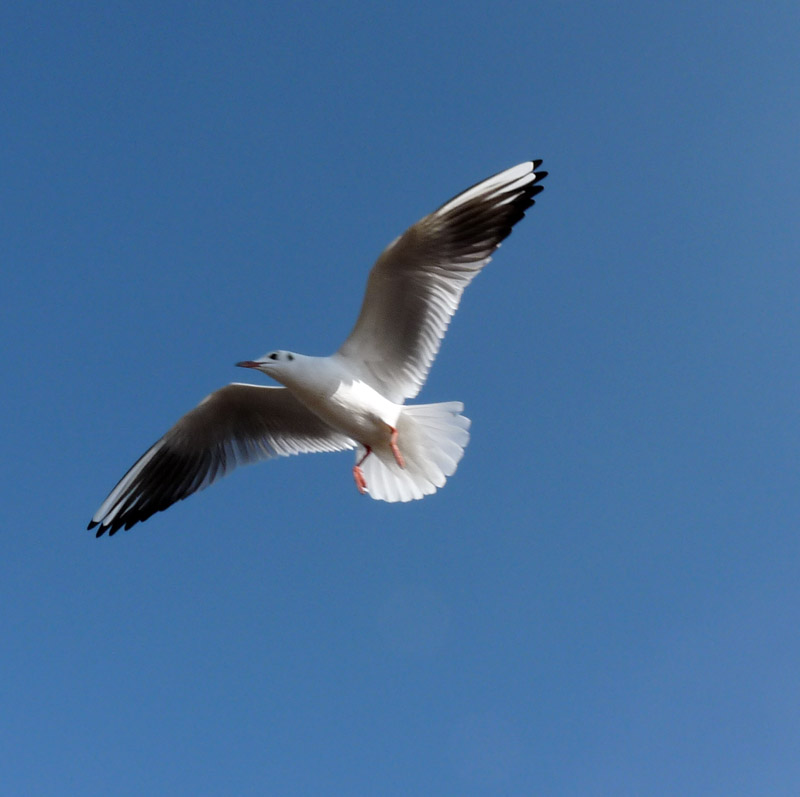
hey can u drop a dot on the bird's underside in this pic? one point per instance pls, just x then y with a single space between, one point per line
412 292
358 473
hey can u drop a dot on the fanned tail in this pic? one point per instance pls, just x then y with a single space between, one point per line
431 438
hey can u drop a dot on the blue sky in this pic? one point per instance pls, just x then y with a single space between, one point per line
604 599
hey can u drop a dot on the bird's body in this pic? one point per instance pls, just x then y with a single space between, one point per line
332 392
354 398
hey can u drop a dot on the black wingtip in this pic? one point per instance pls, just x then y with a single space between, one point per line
92 524
100 532
540 176
537 164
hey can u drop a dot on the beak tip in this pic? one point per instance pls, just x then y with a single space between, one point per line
247 364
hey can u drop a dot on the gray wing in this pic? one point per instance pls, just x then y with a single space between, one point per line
235 425
416 284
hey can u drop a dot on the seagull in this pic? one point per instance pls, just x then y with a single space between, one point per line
355 398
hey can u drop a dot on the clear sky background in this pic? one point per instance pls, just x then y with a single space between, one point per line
604 600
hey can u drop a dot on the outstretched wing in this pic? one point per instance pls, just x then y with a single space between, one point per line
235 425
416 284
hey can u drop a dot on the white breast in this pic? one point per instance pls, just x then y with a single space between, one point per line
360 411
341 399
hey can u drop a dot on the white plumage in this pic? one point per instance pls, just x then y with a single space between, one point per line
354 398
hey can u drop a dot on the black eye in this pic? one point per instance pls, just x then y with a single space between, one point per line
290 356
273 356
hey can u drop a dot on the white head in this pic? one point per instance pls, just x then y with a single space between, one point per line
274 363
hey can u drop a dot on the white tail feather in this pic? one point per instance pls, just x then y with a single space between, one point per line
431 439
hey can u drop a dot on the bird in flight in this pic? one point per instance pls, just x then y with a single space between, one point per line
355 398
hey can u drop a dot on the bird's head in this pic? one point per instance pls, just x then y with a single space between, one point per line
273 363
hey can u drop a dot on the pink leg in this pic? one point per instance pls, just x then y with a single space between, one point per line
358 474
395 450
